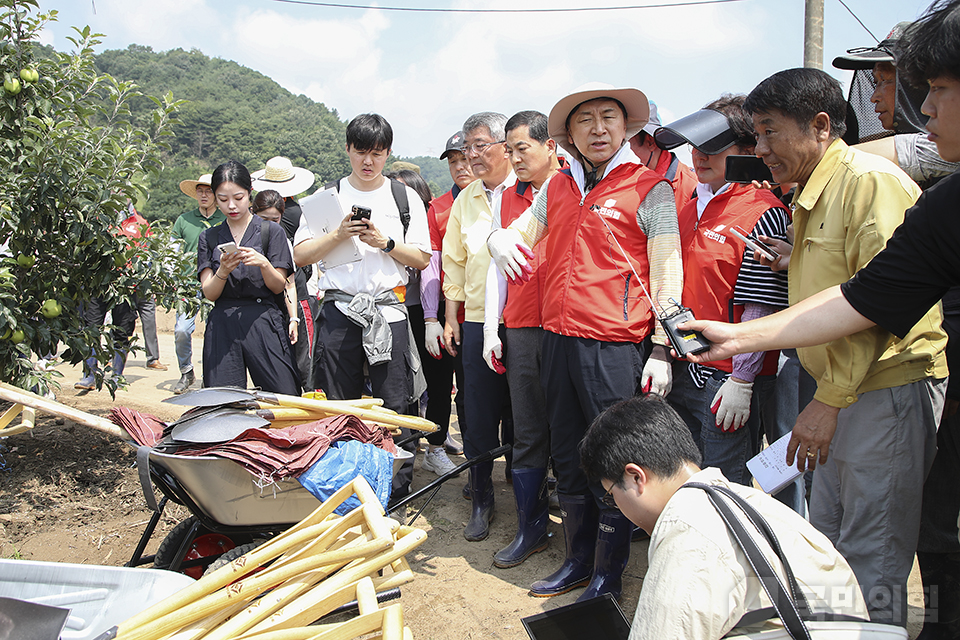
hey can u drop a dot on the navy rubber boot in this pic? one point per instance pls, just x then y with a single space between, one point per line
88 381
481 492
612 554
530 491
579 515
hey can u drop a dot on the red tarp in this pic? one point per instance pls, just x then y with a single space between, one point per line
266 453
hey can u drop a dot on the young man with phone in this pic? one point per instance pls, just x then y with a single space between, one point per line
369 291
720 400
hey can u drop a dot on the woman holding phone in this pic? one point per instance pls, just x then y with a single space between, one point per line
243 265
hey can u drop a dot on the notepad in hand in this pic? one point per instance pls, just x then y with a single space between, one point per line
770 469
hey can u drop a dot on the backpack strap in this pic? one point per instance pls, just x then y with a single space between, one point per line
399 191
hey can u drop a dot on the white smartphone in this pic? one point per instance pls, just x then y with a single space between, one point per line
756 245
228 247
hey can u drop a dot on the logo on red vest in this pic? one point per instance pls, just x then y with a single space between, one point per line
714 234
607 209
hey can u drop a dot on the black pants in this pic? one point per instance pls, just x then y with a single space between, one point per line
487 397
245 334
124 319
581 378
340 359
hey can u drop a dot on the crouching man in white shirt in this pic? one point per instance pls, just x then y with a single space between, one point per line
699 584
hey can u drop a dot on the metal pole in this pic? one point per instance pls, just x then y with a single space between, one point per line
813 34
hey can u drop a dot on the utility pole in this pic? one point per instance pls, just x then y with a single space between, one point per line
813 34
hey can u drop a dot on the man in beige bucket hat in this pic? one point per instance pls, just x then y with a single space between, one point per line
187 230
610 221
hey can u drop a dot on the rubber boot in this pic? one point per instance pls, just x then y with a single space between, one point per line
530 491
119 362
579 515
481 492
612 553
89 380
940 573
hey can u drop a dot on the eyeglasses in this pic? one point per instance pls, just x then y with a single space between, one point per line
204 192
608 501
479 147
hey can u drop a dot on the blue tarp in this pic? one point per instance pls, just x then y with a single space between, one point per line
343 462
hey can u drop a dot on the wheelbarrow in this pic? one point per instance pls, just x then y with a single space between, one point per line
230 511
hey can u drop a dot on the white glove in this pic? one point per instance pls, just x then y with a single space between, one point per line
732 404
434 338
657 376
492 349
510 253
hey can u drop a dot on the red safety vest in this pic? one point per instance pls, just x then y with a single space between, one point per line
524 300
590 289
437 216
712 257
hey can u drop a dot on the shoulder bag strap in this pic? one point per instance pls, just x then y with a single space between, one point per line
772 585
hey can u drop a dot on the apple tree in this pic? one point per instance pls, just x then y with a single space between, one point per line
71 158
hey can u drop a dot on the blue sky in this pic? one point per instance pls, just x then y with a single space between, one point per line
427 72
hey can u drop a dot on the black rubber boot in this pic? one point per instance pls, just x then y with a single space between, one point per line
940 573
579 515
481 492
612 554
530 490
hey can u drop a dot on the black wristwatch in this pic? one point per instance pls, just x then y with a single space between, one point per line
390 245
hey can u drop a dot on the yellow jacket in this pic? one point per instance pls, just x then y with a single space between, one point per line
465 256
843 217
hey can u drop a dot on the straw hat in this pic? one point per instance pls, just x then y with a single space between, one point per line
281 176
633 100
189 187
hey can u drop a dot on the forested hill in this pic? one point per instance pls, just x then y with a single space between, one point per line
233 112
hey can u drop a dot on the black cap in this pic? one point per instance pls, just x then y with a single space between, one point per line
866 57
455 143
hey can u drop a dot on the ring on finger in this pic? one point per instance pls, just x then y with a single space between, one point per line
811 454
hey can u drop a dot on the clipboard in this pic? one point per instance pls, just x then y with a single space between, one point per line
323 214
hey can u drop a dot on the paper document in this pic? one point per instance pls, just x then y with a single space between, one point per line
769 467
323 213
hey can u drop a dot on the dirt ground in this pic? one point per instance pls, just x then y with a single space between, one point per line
71 494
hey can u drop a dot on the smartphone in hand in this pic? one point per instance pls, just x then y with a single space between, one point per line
746 170
360 213
228 247
767 252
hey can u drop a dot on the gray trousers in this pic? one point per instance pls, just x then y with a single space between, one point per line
867 497
147 310
531 434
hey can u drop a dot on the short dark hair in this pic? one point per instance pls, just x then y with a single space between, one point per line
740 123
644 430
231 171
800 94
415 181
930 47
369 132
537 125
266 199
